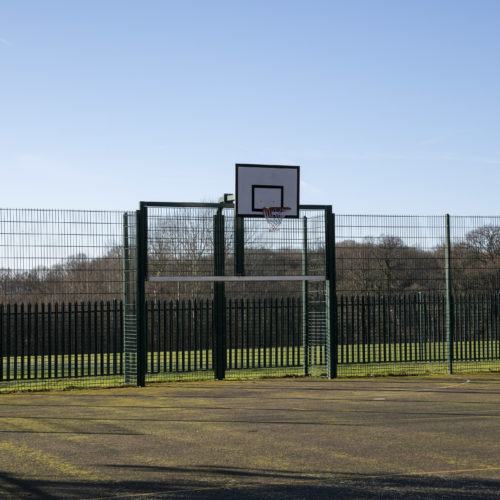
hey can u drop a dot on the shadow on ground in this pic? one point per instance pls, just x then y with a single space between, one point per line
239 483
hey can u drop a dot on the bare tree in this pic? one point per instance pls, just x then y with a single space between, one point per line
476 261
484 243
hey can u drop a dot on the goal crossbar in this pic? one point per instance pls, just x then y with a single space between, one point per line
236 278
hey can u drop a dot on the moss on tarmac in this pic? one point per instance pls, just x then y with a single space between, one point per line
413 437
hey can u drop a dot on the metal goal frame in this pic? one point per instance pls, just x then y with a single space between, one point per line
220 277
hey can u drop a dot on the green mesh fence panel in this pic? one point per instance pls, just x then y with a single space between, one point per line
61 299
263 319
68 296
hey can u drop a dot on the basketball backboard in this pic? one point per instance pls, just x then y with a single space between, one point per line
261 186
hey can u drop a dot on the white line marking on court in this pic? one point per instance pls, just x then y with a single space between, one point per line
466 381
482 469
445 387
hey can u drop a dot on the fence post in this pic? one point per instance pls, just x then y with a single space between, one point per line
420 327
331 295
219 307
2 336
305 336
141 273
449 298
239 246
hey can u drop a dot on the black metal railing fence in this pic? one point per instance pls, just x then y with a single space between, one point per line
85 340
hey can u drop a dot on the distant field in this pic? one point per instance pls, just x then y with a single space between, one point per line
62 371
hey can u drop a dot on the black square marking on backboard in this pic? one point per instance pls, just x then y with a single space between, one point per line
263 186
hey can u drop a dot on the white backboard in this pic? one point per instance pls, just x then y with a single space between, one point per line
260 186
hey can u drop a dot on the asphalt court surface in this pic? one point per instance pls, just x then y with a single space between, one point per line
388 437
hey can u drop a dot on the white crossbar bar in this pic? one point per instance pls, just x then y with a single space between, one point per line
236 278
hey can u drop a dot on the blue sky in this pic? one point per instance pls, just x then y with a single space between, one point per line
389 107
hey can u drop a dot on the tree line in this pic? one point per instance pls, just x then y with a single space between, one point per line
384 266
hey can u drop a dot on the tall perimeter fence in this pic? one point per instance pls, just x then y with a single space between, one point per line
412 295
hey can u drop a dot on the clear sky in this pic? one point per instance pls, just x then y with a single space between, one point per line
389 107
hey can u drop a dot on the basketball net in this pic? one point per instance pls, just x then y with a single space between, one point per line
274 216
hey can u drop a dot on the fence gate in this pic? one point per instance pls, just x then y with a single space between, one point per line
224 295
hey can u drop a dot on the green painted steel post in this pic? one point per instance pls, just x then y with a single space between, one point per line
305 323
141 229
2 336
331 295
239 246
449 298
420 327
219 313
